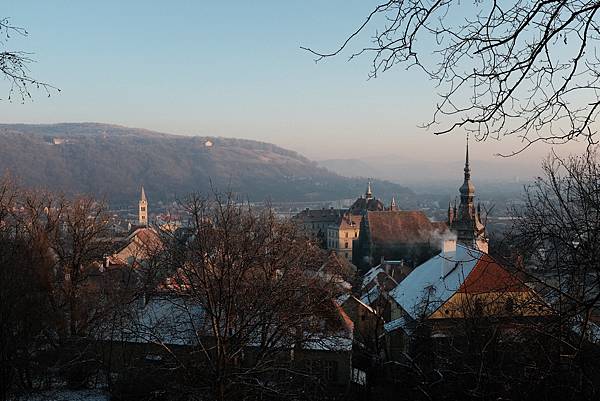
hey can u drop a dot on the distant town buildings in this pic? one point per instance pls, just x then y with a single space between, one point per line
316 222
417 281
368 232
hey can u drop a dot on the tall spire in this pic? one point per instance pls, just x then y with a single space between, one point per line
143 209
467 190
467 167
369 193
466 219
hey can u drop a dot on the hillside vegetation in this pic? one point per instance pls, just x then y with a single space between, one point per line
113 162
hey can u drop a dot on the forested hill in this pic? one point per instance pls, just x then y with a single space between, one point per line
112 162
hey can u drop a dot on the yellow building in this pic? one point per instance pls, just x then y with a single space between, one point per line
341 235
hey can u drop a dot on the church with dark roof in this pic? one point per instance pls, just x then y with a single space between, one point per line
366 203
410 236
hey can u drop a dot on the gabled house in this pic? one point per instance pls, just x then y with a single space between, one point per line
141 244
461 283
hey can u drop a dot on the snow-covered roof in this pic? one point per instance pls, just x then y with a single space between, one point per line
65 395
431 284
594 333
173 320
371 275
330 343
166 320
400 323
371 296
342 299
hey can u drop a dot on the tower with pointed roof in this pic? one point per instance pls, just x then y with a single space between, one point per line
366 203
393 205
465 220
143 209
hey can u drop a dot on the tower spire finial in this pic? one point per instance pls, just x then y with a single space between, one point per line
369 193
467 167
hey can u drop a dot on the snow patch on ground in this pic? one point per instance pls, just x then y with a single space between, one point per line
66 395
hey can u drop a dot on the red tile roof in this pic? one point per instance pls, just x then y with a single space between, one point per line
345 319
489 276
409 227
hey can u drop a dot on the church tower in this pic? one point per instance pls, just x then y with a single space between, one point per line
143 210
465 220
393 205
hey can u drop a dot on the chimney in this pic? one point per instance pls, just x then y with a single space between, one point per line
448 256
448 245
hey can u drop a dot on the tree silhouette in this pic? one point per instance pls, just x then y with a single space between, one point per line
525 68
14 66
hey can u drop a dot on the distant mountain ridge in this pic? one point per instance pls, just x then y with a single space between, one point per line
419 173
112 161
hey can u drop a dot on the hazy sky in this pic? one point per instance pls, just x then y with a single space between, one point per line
229 68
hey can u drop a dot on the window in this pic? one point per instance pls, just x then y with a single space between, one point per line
359 377
330 370
355 234
346 234
143 208
346 244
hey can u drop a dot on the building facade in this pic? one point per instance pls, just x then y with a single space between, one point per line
340 236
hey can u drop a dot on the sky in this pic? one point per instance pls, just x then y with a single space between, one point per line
231 69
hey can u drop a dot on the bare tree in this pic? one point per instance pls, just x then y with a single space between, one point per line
557 232
79 238
14 66
528 68
26 317
242 287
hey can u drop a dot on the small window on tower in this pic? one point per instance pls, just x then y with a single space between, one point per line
143 208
